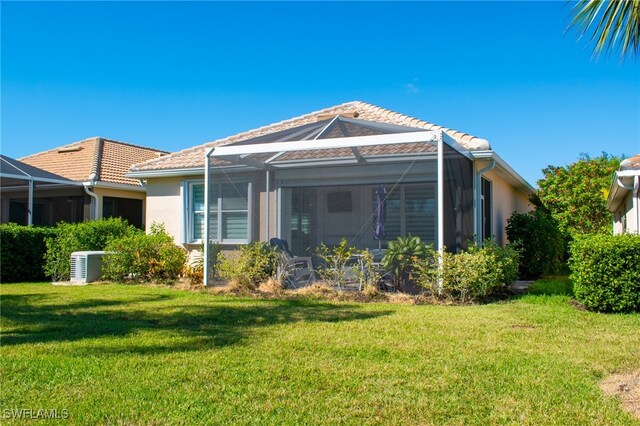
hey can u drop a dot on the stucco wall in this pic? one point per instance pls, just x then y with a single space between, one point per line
506 200
164 205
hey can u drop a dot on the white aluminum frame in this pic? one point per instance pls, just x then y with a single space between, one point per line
239 154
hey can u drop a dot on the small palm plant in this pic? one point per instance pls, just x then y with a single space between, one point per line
401 255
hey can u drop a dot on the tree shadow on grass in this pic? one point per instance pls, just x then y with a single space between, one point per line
33 320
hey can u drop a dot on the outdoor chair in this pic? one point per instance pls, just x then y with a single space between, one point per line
295 270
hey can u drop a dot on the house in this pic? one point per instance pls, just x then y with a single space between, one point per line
624 195
313 178
82 181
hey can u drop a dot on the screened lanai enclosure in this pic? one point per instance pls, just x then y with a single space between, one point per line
32 196
341 178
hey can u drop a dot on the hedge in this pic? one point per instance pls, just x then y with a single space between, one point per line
70 237
605 270
22 250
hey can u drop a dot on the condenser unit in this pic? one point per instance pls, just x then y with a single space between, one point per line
86 266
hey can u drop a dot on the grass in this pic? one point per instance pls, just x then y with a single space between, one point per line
141 354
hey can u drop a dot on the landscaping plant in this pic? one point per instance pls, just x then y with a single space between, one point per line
71 237
402 254
605 271
249 266
538 238
22 251
144 257
470 275
335 260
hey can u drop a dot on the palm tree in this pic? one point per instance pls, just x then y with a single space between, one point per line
614 24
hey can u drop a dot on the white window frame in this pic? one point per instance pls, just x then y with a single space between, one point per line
189 213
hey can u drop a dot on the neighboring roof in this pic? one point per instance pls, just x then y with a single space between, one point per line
355 119
623 181
99 159
632 163
11 169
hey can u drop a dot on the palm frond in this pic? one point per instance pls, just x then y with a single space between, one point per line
613 24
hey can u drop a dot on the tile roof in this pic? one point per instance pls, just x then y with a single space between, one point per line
109 160
194 157
631 163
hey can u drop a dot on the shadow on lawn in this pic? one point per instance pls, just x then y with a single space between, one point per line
196 326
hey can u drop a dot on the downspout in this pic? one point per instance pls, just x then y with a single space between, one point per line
93 208
30 204
479 212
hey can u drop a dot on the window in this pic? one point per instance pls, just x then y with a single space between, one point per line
228 208
411 209
486 209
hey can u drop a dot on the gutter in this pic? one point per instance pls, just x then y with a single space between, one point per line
93 209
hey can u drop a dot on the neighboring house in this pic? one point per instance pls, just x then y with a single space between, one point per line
22 187
96 167
623 199
313 179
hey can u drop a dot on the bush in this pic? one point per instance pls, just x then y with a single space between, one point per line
401 255
335 260
70 237
605 271
144 257
468 276
254 263
22 250
537 237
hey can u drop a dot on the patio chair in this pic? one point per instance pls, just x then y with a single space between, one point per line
296 270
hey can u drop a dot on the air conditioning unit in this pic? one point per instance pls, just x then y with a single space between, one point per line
86 266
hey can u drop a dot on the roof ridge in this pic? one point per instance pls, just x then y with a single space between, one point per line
89 139
57 148
133 145
239 135
97 159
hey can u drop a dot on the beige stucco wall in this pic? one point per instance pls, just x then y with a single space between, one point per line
164 205
506 200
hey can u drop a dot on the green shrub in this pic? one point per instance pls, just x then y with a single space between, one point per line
605 271
470 275
70 237
22 250
335 260
537 237
144 257
401 255
250 265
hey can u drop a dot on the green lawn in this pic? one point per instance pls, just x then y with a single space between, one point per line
139 354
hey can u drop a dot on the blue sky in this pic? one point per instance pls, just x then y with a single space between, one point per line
175 75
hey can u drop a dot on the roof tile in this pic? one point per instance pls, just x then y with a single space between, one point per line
108 159
194 157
